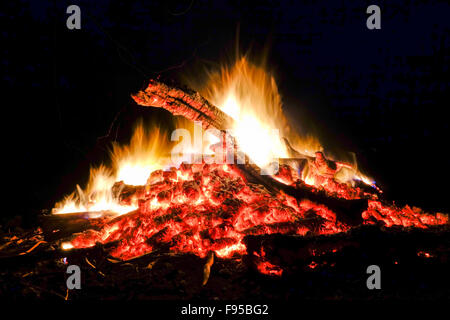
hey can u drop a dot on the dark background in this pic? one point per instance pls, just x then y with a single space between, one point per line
379 93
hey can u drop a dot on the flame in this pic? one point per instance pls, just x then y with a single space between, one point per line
97 196
207 138
132 164
228 251
144 154
249 95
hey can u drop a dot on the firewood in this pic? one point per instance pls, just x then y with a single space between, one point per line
185 102
57 226
347 210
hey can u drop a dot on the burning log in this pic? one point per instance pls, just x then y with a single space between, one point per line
347 210
185 102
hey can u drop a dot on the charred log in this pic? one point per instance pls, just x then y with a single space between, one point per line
58 226
348 211
185 102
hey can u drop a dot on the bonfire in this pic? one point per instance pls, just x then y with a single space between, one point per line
239 170
208 204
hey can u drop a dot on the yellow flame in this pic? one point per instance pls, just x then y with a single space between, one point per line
249 95
66 246
132 164
207 139
97 196
144 154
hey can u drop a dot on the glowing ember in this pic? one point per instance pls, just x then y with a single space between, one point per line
201 208
424 254
407 217
268 268
265 267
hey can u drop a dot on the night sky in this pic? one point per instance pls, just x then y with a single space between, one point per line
381 94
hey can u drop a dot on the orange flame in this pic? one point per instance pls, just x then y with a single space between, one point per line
132 164
249 95
97 196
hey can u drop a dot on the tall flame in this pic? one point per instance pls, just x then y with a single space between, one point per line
144 154
249 95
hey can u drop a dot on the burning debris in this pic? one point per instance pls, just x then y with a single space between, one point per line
209 207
